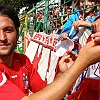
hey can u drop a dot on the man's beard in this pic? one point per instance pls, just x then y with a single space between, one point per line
9 52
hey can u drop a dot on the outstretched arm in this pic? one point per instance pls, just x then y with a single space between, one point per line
89 54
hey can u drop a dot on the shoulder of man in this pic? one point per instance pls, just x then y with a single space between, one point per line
21 57
8 90
24 60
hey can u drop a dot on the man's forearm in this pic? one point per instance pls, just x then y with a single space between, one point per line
60 86
88 55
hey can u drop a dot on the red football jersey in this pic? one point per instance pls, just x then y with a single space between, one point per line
23 74
8 90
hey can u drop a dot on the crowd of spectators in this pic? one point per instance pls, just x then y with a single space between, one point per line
57 16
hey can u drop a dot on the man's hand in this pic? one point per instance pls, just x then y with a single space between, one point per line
63 36
96 26
81 23
67 60
96 31
89 54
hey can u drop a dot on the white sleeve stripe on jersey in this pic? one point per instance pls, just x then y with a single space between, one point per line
3 80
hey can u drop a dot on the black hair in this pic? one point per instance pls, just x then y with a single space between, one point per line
12 14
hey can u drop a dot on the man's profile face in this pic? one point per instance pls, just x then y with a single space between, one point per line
8 36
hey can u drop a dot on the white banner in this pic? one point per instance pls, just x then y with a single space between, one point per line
41 52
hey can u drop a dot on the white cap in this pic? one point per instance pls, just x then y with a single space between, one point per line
63 46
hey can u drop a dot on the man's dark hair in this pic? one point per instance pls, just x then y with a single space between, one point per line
11 13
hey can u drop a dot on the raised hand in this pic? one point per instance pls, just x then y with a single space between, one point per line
96 26
89 54
96 31
67 60
63 36
81 23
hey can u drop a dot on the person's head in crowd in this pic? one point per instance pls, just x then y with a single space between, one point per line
80 4
6 10
54 20
68 10
90 6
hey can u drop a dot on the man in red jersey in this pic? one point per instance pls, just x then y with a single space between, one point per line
18 79
16 67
